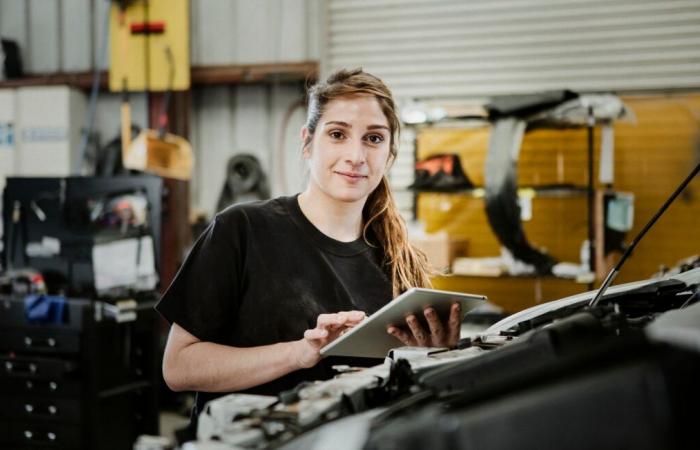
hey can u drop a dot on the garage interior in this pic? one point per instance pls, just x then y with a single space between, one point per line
541 143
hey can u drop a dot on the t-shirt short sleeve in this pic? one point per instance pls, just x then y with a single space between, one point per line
204 296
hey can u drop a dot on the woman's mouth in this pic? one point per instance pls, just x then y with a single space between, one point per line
353 177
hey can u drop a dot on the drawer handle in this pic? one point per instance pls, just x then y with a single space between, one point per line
13 367
39 343
29 435
29 385
51 409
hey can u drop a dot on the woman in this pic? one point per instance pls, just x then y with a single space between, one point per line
268 284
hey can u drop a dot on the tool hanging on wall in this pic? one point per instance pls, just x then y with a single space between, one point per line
160 152
152 55
245 181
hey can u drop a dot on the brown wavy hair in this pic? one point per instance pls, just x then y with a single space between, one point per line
406 266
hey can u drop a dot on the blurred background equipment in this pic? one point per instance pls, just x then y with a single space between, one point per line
48 122
155 35
108 161
10 60
78 232
163 154
245 181
512 117
441 172
79 343
22 282
76 373
150 45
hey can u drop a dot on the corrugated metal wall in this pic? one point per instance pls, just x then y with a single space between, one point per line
230 120
454 49
260 31
451 48
66 35
246 119
54 35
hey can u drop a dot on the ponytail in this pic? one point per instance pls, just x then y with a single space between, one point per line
407 266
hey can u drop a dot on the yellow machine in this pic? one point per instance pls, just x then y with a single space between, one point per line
150 52
150 46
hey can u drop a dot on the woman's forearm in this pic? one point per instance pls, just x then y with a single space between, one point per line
219 368
210 367
190 364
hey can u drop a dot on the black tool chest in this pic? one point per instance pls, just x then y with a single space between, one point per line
88 382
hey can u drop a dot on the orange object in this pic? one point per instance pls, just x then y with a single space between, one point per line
168 156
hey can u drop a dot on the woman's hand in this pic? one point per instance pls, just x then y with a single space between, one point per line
438 334
328 328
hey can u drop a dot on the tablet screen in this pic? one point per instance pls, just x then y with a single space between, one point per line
370 339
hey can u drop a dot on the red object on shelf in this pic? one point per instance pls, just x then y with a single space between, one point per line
148 28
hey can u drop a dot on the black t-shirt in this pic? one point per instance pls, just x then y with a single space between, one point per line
261 273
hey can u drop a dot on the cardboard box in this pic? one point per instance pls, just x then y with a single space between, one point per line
440 249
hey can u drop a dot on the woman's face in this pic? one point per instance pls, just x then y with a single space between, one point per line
350 150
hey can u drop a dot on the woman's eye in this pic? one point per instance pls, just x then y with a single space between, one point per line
336 134
375 138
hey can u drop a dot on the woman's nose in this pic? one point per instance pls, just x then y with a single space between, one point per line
355 153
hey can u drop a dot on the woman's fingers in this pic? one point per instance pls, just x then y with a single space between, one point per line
328 328
454 325
437 330
353 318
401 335
340 319
356 316
315 334
440 334
328 320
419 333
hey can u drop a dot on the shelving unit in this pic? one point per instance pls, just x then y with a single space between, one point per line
513 290
502 162
535 191
200 76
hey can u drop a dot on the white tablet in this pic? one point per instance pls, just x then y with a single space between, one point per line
369 339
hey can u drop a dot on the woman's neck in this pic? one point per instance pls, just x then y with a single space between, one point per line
339 220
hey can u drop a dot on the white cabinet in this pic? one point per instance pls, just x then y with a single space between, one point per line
8 134
49 120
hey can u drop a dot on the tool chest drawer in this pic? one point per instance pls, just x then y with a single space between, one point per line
31 340
52 409
24 434
50 387
79 377
13 314
36 368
